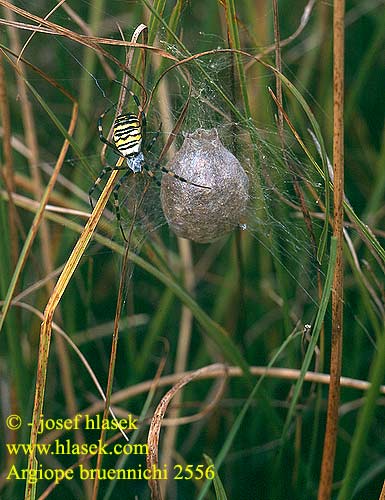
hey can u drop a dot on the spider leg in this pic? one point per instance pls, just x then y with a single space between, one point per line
143 119
116 200
99 179
182 179
151 174
154 139
101 136
140 109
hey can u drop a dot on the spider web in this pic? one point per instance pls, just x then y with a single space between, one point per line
274 217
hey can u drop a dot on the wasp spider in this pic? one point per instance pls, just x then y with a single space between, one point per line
129 132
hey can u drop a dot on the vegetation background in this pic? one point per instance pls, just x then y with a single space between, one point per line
256 298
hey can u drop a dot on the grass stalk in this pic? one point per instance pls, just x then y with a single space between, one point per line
217 333
96 9
45 235
382 494
364 421
39 216
238 422
182 353
46 327
330 440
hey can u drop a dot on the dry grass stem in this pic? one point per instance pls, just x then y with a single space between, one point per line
330 440
46 328
156 423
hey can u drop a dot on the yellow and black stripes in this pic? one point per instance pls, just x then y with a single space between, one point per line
129 131
129 136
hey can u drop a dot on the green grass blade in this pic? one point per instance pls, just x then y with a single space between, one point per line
364 422
236 44
324 172
220 493
366 232
327 289
153 24
238 422
216 332
96 10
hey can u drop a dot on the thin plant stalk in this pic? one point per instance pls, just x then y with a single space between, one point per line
46 327
115 337
330 442
89 63
382 494
44 200
365 418
124 272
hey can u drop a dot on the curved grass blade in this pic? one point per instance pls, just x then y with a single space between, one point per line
216 332
220 493
325 171
327 289
364 422
40 212
46 327
238 422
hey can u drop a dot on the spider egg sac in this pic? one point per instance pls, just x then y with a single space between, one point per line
197 213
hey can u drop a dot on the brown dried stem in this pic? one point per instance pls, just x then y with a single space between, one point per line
156 422
46 327
327 467
142 29
382 494
7 172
